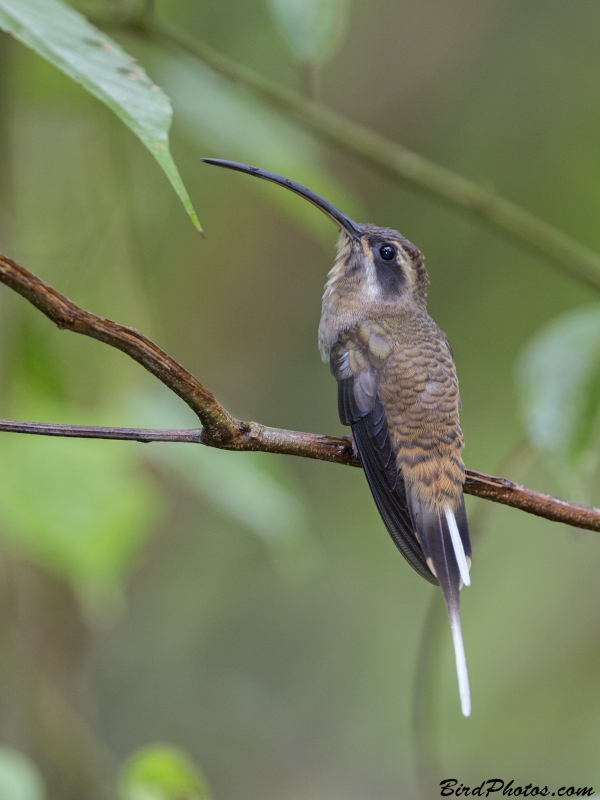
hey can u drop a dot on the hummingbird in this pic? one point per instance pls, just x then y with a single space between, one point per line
398 392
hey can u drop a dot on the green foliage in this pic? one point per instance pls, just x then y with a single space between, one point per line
161 772
313 29
559 383
230 122
19 777
80 508
67 40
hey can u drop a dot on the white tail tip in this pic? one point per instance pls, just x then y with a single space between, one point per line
459 550
461 664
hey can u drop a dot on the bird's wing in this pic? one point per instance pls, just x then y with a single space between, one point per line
361 408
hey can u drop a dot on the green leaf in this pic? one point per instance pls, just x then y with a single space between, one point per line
161 772
67 40
313 29
79 508
225 118
558 376
20 779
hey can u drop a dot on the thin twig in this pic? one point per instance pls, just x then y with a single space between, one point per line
425 697
219 428
388 157
145 435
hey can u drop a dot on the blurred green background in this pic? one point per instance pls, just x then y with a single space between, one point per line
251 609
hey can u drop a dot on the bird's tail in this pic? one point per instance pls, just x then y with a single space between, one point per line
444 538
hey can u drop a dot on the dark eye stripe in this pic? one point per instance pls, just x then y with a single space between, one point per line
389 274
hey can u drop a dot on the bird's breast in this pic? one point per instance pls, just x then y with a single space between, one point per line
419 391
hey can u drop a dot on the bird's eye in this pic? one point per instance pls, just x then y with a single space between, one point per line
387 252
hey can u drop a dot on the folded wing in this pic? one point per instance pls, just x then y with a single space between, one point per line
371 435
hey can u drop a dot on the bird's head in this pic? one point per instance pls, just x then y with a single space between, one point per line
384 265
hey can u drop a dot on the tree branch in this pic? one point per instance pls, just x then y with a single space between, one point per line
218 424
219 428
390 158
144 435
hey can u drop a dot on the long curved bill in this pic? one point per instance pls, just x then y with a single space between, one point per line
341 220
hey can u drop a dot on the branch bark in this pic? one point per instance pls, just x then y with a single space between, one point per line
67 315
221 430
